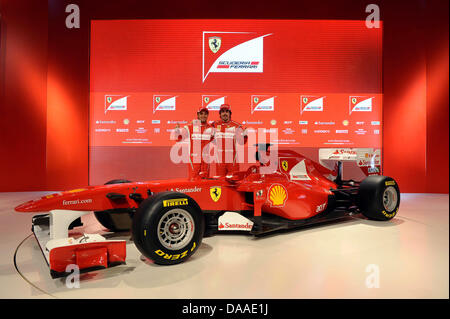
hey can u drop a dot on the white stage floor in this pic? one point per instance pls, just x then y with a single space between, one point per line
410 254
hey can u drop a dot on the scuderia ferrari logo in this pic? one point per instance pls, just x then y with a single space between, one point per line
215 193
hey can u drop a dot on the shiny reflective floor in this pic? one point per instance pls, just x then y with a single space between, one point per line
407 257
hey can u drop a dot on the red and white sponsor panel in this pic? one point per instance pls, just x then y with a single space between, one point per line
234 221
313 121
367 159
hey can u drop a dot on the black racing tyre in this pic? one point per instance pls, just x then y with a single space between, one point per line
120 221
168 227
379 197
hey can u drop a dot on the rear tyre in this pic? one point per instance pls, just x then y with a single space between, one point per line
115 220
168 228
379 197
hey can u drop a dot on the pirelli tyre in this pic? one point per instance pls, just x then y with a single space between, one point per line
379 197
168 227
115 220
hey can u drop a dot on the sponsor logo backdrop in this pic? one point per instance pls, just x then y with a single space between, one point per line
317 81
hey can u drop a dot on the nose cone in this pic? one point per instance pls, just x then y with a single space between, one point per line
25 207
36 205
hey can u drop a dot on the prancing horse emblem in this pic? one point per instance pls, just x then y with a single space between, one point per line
214 43
284 164
215 192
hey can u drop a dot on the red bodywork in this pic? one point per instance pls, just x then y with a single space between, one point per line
281 193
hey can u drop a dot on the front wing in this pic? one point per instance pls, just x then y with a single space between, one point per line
63 253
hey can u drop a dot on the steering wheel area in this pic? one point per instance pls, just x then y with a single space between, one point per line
237 176
252 170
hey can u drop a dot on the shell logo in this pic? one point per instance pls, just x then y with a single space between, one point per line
277 195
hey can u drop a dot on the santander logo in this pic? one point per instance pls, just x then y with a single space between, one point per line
229 226
234 221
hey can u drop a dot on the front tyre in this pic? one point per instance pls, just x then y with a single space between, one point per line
168 228
379 197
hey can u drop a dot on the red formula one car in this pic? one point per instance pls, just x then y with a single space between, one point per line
169 218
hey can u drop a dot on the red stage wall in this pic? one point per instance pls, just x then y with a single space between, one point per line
44 74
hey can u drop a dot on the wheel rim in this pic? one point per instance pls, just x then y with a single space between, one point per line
390 198
176 229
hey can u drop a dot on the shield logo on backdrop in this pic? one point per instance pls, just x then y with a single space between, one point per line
255 99
215 193
285 166
206 99
109 99
305 100
157 99
353 100
214 43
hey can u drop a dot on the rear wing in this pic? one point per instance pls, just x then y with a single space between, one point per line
367 159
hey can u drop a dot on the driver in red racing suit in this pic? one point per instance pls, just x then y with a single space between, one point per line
199 133
227 134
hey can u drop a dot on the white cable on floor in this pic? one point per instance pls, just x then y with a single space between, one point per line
24 278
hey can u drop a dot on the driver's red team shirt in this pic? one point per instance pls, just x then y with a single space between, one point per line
199 136
225 139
